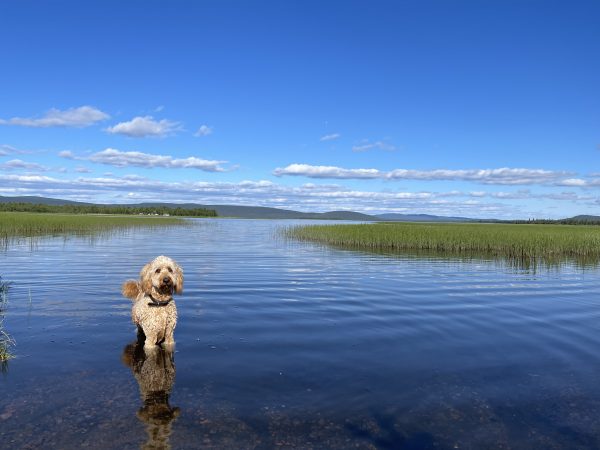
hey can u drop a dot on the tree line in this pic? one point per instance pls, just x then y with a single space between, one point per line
108 209
571 221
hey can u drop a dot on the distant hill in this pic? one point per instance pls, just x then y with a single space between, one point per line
422 218
39 200
584 218
344 215
262 212
243 212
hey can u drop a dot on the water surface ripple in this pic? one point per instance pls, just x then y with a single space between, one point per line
289 344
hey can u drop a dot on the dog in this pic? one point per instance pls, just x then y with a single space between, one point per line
154 310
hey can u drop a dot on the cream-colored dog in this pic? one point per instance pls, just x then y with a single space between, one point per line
153 309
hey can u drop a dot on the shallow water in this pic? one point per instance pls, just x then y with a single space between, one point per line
289 344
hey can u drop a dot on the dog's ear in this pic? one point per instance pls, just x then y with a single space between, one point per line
178 279
146 278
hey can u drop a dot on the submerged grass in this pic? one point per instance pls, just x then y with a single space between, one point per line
544 243
20 224
5 354
5 340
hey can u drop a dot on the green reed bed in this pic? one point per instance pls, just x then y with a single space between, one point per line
19 224
546 243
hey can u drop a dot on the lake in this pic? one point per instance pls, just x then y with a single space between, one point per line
284 344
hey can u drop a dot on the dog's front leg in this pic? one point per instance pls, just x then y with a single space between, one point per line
151 340
169 339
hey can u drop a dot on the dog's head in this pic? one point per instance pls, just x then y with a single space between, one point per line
161 278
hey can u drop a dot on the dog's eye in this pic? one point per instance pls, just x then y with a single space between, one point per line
157 271
170 270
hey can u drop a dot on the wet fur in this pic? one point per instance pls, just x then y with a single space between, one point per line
159 280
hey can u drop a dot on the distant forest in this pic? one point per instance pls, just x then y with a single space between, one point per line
107 209
577 220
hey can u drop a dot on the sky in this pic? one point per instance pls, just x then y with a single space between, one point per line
487 109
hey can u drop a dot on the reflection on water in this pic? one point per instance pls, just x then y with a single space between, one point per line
92 236
531 264
154 371
289 344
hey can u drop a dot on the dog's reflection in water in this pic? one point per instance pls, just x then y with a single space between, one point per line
154 370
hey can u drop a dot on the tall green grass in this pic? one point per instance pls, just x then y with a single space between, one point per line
543 243
20 224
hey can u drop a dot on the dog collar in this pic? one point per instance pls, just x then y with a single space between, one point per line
158 303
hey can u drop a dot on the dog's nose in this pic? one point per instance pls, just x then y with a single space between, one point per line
167 280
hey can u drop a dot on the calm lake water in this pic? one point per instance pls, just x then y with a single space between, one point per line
293 345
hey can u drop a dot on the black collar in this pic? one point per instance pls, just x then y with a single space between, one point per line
158 303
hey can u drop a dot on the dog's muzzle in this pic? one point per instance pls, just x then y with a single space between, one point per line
166 286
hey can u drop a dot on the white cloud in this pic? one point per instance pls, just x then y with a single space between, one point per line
82 169
204 130
261 193
66 154
307 197
7 150
524 194
379 145
82 116
117 158
511 195
485 176
145 126
17 164
573 182
567 196
505 176
330 137
307 170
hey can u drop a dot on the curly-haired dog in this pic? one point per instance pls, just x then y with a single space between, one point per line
153 308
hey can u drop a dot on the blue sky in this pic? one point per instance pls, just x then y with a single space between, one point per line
469 108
